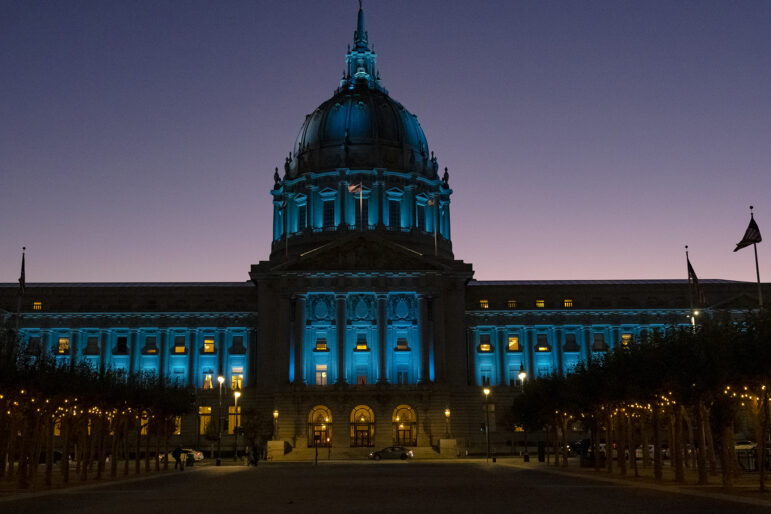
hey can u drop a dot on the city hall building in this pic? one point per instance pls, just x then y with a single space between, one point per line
362 328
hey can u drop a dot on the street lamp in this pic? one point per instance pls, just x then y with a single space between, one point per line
486 391
221 381
236 396
275 425
522 376
447 421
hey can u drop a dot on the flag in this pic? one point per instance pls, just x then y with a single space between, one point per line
22 278
697 293
354 188
751 236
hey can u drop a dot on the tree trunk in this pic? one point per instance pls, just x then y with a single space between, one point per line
728 455
620 444
114 445
100 445
763 410
137 457
12 445
710 438
166 447
22 473
125 445
609 444
677 446
701 455
147 447
66 422
657 471
596 444
644 436
50 427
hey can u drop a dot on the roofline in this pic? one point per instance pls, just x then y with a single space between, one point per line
599 282
246 283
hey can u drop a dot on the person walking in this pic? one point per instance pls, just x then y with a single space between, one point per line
177 454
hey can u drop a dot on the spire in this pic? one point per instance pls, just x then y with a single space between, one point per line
360 38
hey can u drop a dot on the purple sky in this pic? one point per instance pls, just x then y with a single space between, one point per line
585 140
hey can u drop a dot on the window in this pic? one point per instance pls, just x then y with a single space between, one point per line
599 344
234 418
302 217
402 345
238 347
540 304
321 345
64 345
361 379
33 346
626 340
92 346
542 343
420 217
204 419
361 343
567 303
394 214
321 374
401 377
177 425
179 344
150 346
328 212
486 373
362 212
37 306
484 304
570 343
484 343
121 345
237 378
511 304
514 344
208 345
207 381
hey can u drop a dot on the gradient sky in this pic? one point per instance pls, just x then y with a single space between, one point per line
584 139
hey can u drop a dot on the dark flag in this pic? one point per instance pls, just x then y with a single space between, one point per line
22 278
697 293
751 236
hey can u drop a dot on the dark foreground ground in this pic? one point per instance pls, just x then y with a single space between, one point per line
423 487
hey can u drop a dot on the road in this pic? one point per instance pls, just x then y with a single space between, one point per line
423 487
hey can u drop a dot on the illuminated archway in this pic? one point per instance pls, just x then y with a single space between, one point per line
319 426
362 426
405 426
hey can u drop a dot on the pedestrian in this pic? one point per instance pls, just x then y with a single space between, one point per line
255 456
177 454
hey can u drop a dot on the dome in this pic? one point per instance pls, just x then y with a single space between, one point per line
361 128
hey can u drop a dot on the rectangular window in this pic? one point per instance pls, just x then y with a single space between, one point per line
361 379
514 344
540 304
626 340
92 346
511 304
37 306
208 345
179 344
321 374
361 343
204 419
484 343
394 214
567 303
207 381
302 217
64 345
150 346
121 345
237 379
401 377
33 346
177 425
542 343
420 217
402 345
234 418
321 345
599 343
570 343
362 212
328 212
484 304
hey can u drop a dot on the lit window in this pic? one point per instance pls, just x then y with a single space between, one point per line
207 381
179 344
64 345
514 344
361 379
321 374
484 343
361 343
511 304
540 304
402 345
626 339
234 418
208 345
485 347
542 343
150 346
321 345
484 304
237 378
177 425
37 306
568 303
204 419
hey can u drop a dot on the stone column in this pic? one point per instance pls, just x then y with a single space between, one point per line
74 347
423 324
341 330
558 348
299 350
588 342
221 352
503 379
133 351
192 355
382 336
162 351
103 344
251 351
529 351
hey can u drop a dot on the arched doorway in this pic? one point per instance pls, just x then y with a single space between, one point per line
405 423
319 427
362 426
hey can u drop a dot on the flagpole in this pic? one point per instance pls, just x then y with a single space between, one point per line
757 274
690 288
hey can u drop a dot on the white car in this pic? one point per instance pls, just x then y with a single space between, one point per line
186 452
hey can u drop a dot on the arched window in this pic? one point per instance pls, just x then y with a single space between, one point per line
405 423
362 426
319 427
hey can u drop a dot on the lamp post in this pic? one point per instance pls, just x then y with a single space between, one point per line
275 425
522 376
447 421
221 381
486 391
237 418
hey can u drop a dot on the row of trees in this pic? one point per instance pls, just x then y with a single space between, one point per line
685 388
51 413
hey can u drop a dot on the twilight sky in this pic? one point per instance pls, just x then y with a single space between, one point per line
584 139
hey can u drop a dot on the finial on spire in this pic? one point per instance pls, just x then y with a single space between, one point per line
360 36
752 214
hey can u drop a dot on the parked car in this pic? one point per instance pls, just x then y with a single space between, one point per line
745 445
392 452
186 454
